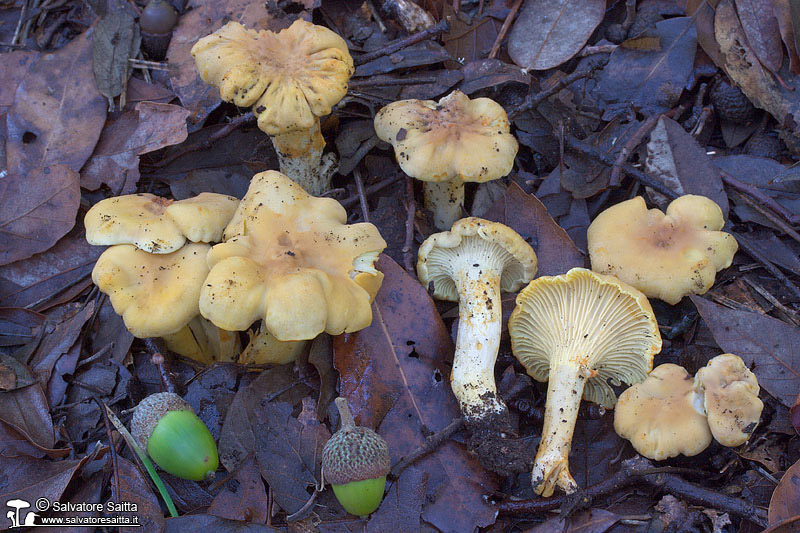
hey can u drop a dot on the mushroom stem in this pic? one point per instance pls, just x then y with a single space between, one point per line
444 199
300 158
204 342
478 341
564 392
264 349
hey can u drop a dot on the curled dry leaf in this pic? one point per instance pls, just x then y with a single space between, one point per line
37 208
25 478
395 381
550 32
26 411
769 347
785 502
58 112
761 28
116 39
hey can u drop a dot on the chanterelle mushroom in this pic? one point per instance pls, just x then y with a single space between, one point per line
446 144
159 225
290 78
731 400
664 256
473 263
663 415
290 259
579 331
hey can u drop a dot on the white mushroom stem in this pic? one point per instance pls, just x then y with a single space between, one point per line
564 391
444 199
300 158
478 341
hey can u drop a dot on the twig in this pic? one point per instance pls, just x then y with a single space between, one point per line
790 315
755 193
629 146
141 63
158 359
697 108
372 189
362 196
772 269
376 16
597 49
389 81
399 44
769 215
115 494
501 35
411 209
534 100
432 442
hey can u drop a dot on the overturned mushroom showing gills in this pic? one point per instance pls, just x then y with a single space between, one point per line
663 415
291 79
731 402
473 263
579 331
666 256
446 144
159 225
290 259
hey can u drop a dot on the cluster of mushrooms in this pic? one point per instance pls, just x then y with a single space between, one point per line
198 271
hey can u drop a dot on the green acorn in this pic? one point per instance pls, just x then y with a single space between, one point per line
355 461
179 442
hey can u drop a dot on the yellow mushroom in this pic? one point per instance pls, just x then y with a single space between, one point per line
664 256
446 144
580 332
290 79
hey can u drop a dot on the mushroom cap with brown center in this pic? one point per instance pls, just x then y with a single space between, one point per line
156 294
457 138
661 416
731 399
595 322
159 225
474 241
291 260
289 78
664 256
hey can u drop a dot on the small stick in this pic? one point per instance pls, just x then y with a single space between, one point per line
388 81
376 16
628 147
534 100
597 49
442 26
772 269
755 193
501 35
411 208
158 359
372 189
115 494
362 196
786 228
432 442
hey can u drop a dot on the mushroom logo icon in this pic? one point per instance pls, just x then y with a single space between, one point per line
14 515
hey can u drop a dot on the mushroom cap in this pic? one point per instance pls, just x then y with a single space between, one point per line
662 416
457 138
475 241
664 256
595 321
289 78
159 225
291 260
731 399
156 294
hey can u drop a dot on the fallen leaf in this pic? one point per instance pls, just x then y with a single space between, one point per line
205 522
28 479
58 113
37 208
783 12
116 39
243 497
785 502
417 55
401 508
591 521
470 38
485 73
526 215
13 68
651 82
395 380
58 341
676 159
134 488
115 160
17 326
26 410
762 31
550 32
769 347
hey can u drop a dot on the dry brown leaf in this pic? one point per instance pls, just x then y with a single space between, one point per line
761 28
785 502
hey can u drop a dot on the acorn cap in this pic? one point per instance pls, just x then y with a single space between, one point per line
355 453
150 411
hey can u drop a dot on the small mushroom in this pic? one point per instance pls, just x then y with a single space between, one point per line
581 332
473 263
290 259
664 256
663 416
291 79
446 144
731 400
157 295
159 225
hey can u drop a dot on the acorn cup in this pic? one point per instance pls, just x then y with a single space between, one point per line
355 461
174 437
